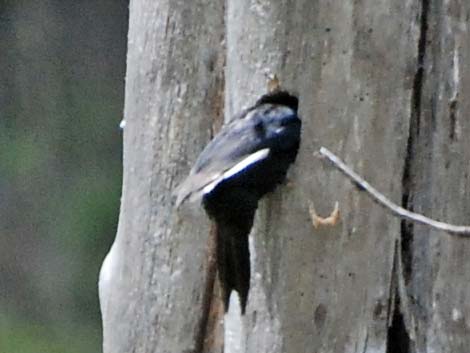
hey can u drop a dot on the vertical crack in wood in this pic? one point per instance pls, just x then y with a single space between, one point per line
208 337
417 90
207 294
453 119
407 228
398 337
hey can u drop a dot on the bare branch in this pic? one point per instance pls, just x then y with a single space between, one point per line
376 196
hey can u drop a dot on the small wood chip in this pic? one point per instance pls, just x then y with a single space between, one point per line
329 221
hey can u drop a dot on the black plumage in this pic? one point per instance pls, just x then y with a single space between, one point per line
244 161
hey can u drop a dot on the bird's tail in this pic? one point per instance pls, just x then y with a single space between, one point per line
233 261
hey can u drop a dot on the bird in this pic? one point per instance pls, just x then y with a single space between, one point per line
246 160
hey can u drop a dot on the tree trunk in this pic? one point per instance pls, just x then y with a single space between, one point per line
436 275
156 282
381 84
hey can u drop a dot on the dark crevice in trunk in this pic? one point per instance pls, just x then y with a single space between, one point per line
209 337
398 340
207 294
453 118
407 228
417 90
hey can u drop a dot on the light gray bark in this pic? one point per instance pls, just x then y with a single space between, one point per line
154 281
381 84
436 273
328 290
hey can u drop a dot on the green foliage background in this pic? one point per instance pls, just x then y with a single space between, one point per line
61 100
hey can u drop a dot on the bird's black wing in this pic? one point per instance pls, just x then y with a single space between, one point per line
235 146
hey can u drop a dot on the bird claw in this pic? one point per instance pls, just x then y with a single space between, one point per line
318 221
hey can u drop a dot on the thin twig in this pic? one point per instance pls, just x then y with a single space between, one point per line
376 196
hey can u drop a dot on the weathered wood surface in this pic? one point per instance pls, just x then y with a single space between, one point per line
436 272
353 65
383 85
154 281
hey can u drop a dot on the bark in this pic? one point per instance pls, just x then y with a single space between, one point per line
381 84
329 290
436 278
156 282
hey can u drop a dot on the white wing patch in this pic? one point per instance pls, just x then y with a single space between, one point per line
251 159
237 168
208 188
